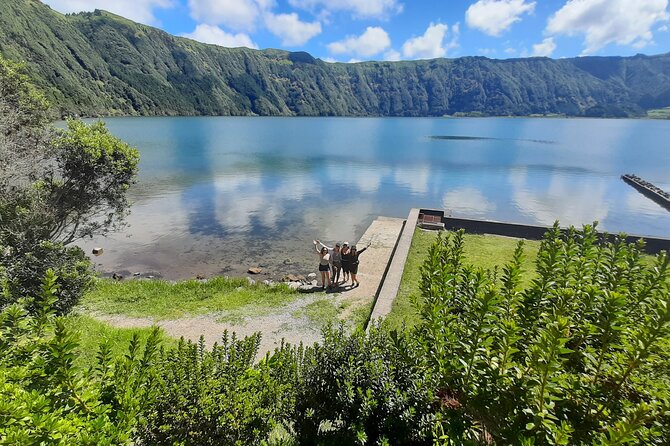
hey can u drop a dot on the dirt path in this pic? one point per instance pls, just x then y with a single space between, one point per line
289 322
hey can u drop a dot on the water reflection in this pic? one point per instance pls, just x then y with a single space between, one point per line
218 193
468 201
572 199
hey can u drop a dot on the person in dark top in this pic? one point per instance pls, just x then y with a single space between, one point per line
353 268
345 254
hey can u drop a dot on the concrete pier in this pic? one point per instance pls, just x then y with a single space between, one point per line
648 190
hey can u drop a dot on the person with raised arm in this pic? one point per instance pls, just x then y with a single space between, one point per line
353 269
324 263
335 261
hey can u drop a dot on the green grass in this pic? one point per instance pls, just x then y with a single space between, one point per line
324 311
486 251
661 113
91 333
321 312
165 300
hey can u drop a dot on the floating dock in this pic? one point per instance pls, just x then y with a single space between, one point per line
648 190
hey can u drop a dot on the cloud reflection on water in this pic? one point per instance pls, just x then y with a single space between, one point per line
213 186
571 199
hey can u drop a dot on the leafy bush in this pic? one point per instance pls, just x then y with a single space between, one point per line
21 273
364 389
578 357
46 399
215 397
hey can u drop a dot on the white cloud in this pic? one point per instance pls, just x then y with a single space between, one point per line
138 10
431 44
510 50
213 34
373 41
363 9
493 17
623 22
240 15
544 48
290 29
392 55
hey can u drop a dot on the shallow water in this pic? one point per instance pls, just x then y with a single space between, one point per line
219 194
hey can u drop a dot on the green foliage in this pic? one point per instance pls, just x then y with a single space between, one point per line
88 191
22 118
484 251
18 95
576 357
364 389
98 63
91 333
217 396
20 273
55 187
46 399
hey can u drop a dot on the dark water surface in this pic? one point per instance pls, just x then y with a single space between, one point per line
219 194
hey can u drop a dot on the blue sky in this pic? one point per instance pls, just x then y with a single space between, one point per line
353 30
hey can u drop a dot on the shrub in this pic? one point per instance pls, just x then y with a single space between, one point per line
46 399
215 397
22 271
363 389
576 358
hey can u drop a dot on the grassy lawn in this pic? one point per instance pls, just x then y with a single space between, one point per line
324 311
165 300
660 113
486 251
91 333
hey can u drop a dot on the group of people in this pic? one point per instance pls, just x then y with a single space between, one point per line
340 259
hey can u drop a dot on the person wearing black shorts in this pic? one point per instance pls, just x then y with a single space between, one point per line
324 265
353 268
335 261
347 258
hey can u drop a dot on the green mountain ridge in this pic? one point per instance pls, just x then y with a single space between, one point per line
98 63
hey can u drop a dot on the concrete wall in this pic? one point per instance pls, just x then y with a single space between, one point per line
390 283
653 245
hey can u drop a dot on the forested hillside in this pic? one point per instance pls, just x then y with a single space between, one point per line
102 64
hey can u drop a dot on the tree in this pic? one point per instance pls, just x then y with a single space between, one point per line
23 116
57 187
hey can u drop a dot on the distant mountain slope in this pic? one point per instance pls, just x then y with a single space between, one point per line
102 64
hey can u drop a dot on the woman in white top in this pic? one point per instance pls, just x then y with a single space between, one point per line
324 264
335 261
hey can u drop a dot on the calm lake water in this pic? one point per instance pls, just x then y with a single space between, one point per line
219 194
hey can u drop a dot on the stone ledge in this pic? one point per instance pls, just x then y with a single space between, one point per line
393 275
